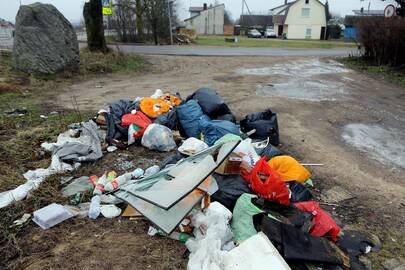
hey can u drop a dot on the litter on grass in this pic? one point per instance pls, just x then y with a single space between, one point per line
227 191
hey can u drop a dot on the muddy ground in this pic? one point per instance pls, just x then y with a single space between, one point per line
348 121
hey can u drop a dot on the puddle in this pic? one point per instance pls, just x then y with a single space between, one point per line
301 69
382 144
316 90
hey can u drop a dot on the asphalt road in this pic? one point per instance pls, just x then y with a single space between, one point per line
229 51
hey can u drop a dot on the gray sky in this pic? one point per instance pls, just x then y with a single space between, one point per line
72 9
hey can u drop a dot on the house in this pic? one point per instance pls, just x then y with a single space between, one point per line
300 19
208 20
351 21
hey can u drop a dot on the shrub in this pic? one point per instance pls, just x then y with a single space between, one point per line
383 40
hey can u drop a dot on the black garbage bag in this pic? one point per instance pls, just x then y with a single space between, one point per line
168 119
299 193
298 246
266 125
230 188
227 117
211 103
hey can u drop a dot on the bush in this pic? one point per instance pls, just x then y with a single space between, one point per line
383 40
334 31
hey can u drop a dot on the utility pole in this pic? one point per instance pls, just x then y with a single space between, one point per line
170 22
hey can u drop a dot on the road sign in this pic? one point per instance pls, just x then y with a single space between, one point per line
107 7
389 11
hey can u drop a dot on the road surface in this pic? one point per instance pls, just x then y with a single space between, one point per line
229 51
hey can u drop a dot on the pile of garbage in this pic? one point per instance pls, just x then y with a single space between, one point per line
227 192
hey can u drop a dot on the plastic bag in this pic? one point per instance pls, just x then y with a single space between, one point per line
192 146
242 221
110 211
267 183
248 153
158 137
266 126
188 115
213 130
289 169
322 222
212 233
211 103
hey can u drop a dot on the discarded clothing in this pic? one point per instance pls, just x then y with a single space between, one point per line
267 183
299 193
211 103
296 245
289 169
242 220
113 119
168 119
230 188
214 130
266 126
154 107
189 114
322 222
158 137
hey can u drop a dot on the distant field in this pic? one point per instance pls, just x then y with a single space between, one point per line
280 43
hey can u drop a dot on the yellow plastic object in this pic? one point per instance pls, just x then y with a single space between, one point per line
289 169
154 107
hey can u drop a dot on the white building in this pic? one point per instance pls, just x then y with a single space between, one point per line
207 20
301 19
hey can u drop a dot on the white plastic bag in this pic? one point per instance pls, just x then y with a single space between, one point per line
212 233
248 153
110 211
192 146
158 137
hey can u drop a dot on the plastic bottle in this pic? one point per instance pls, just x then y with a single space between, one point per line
117 182
94 210
99 188
151 170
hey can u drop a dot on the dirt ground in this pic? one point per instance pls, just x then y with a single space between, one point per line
348 121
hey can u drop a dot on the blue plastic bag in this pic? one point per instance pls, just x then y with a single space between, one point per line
214 130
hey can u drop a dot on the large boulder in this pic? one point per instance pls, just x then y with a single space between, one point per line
45 41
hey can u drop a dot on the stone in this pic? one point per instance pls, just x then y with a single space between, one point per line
45 41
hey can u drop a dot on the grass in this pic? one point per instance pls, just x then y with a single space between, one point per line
274 43
387 73
21 136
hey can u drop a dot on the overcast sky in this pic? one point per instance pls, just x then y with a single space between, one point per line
72 9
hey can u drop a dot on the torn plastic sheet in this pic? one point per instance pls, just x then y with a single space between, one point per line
168 220
171 185
34 179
